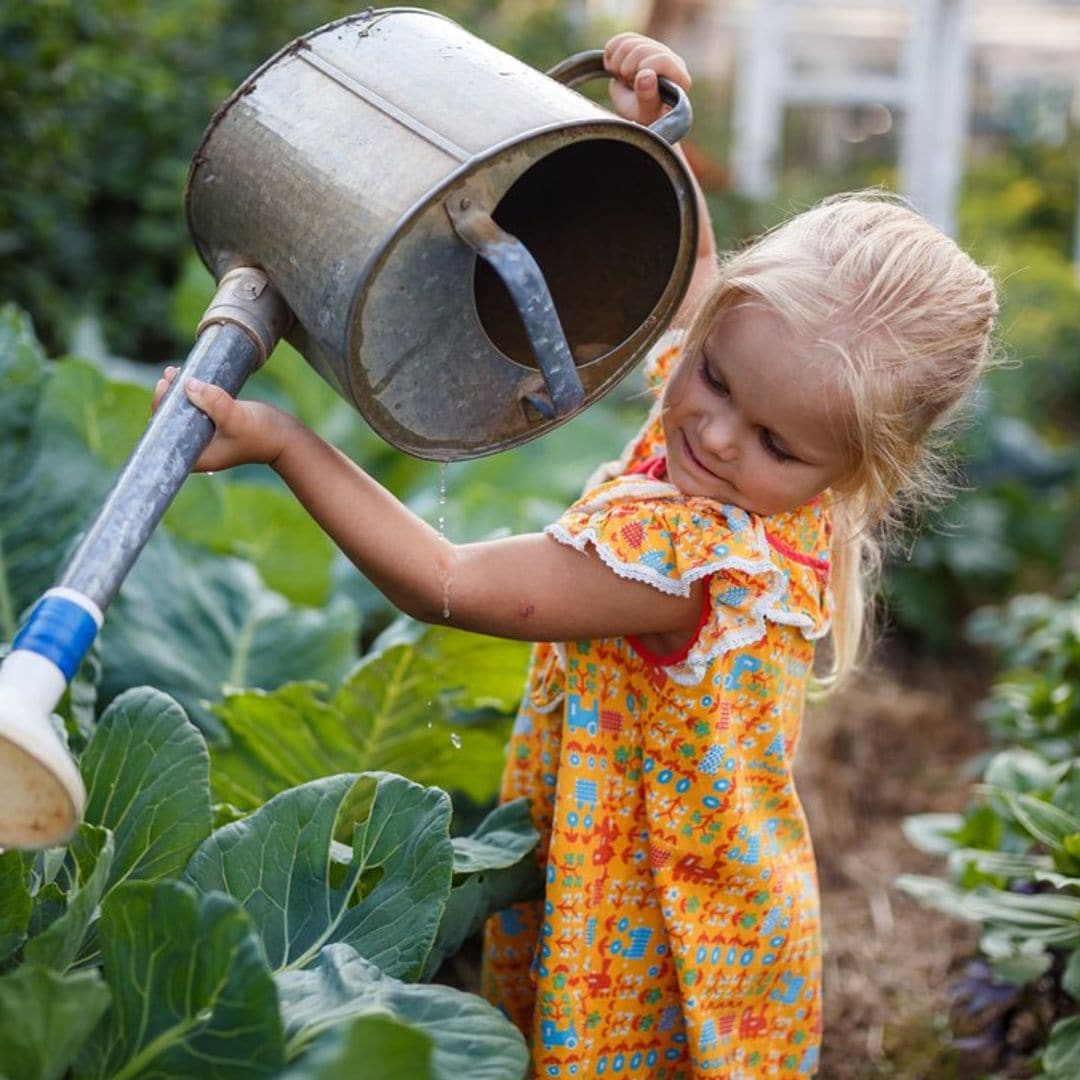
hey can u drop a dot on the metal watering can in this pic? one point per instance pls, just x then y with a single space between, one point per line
467 250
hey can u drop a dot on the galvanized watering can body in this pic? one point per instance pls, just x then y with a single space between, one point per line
349 166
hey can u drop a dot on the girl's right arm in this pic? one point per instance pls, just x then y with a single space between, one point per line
635 62
528 587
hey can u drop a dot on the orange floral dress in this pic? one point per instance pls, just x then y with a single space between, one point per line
679 934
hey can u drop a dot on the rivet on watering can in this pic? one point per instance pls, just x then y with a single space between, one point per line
465 204
249 290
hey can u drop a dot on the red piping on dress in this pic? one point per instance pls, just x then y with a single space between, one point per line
676 657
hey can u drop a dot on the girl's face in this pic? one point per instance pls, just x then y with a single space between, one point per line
751 418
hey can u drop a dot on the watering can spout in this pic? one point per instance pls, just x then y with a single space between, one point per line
41 791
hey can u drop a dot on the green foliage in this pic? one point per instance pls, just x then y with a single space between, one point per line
44 1019
1040 331
433 704
105 102
1010 527
155 946
158 944
1024 196
1014 856
1035 701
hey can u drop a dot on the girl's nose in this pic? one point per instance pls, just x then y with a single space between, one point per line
721 437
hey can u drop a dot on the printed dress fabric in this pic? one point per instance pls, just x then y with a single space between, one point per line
679 934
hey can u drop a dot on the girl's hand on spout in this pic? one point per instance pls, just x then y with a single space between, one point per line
246 432
636 62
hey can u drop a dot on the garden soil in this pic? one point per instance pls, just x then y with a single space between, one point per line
896 743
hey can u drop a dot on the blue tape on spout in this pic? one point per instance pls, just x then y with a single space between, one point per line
60 630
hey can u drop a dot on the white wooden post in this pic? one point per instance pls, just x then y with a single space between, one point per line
931 90
936 70
1076 244
759 99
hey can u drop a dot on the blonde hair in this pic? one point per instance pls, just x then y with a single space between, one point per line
907 316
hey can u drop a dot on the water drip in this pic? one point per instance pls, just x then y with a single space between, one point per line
442 499
447 582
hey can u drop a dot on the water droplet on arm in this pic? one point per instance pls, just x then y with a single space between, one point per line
448 580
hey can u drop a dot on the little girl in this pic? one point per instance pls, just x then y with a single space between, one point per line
677 604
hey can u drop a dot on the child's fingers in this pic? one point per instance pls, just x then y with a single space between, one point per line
647 89
218 404
616 48
627 54
655 58
162 386
668 65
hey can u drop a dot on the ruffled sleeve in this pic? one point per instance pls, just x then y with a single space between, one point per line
759 570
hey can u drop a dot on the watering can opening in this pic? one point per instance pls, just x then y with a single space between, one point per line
580 212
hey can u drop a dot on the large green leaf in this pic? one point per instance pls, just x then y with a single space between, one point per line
493 869
91 852
1051 918
15 902
265 525
386 903
1061 1058
470 1037
22 377
44 1019
485 671
403 1052
84 426
88 411
147 777
194 625
44 503
503 839
428 706
192 994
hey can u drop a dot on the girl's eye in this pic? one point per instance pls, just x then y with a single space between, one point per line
773 448
714 380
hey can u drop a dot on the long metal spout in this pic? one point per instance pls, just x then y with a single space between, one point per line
41 793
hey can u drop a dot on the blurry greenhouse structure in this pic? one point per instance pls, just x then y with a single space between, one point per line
932 76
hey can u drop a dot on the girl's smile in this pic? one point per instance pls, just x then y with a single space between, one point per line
751 418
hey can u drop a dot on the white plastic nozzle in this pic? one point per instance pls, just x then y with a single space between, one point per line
41 792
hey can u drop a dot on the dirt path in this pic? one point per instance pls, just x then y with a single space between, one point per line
883 750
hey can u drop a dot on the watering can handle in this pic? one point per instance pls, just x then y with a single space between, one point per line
525 283
582 66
